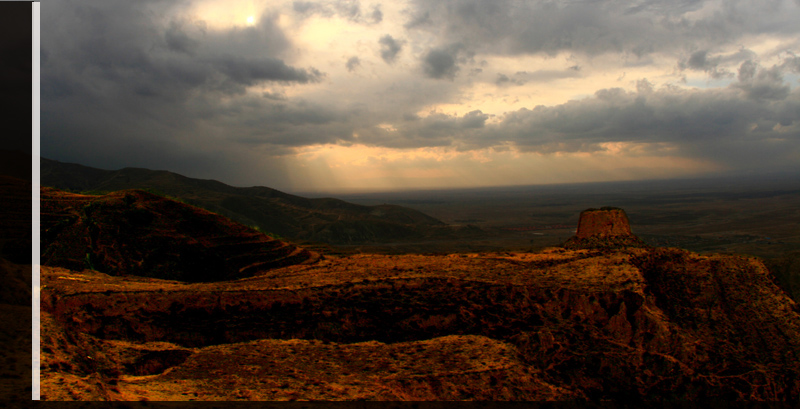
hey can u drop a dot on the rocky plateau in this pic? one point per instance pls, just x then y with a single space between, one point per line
144 298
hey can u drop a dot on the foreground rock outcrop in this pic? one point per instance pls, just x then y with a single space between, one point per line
627 323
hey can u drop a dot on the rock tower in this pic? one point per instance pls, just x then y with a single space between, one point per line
607 227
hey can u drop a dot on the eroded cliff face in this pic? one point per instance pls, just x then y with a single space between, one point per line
607 227
604 222
626 324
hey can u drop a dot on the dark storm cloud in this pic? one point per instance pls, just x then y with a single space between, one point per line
420 19
747 70
307 7
763 84
474 119
522 77
283 125
596 27
529 27
791 62
503 79
377 14
177 40
349 9
701 61
353 63
124 48
249 71
441 63
146 86
389 48
754 122
435 129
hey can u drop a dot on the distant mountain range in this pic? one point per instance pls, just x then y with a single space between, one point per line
324 220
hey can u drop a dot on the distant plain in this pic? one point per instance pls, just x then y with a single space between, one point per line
748 215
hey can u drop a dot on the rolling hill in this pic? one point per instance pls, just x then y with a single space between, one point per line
133 232
325 220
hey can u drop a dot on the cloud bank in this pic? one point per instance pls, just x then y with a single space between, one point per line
243 91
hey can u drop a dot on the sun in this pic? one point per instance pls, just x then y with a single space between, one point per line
251 20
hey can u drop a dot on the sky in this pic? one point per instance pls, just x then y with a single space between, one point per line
347 95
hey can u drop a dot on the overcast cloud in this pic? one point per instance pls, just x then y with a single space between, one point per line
265 92
389 48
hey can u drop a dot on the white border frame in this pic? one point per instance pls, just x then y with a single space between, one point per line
35 209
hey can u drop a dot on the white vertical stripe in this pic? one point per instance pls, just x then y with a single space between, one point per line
35 182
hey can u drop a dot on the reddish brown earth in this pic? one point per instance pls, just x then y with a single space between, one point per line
603 222
607 227
613 323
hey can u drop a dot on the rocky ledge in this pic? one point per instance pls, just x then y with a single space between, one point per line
627 324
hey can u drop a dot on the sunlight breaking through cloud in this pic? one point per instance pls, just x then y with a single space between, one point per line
459 86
